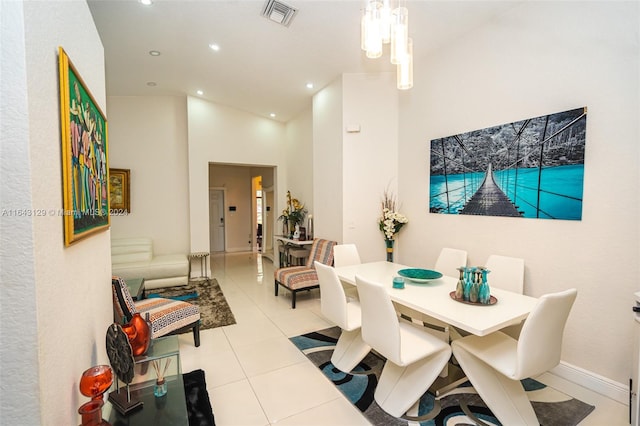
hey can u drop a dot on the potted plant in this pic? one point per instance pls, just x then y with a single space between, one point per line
292 216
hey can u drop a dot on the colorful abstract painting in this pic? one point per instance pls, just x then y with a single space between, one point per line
84 157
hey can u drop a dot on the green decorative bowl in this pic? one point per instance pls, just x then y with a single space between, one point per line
419 275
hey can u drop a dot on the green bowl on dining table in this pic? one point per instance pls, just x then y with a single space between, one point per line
419 275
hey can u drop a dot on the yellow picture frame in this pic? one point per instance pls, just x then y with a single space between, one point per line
119 191
85 170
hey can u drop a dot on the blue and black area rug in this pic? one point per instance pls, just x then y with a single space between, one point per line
553 408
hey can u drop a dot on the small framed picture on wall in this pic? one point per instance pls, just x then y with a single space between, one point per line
119 191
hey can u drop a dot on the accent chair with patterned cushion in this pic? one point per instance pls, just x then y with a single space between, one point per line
167 316
299 278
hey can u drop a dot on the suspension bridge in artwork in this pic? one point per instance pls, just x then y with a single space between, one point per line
537 172
490 200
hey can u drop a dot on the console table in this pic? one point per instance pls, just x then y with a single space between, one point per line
286 244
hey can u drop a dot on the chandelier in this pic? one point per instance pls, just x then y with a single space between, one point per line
382 24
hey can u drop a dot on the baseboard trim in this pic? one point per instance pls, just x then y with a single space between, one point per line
594 382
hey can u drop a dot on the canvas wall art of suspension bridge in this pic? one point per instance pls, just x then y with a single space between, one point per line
532 168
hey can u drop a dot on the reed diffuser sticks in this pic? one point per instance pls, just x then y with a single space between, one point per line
161 385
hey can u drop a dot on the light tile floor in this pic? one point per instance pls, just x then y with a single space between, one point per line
256 377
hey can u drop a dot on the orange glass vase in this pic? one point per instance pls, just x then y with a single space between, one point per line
139 333
91 414
93 383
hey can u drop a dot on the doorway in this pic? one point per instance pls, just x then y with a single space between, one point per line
216 220
258 207
268 220
240 207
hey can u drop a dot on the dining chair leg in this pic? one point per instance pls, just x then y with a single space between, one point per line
400 387
350 350
505 397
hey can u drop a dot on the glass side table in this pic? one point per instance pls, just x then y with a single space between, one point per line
136 288
204 270
168 410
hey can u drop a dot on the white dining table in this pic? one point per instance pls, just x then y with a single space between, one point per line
432 298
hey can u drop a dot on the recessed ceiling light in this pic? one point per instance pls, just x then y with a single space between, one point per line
309 85
272 115
214 47
154 53
146 2
152 83
200 92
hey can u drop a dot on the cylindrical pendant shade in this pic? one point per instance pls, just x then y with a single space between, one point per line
372 30
363 31
381 24
399 34
385 21
405 68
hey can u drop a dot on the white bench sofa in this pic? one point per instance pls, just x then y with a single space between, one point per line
134 258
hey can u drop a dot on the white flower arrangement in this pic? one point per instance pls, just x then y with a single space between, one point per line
391 221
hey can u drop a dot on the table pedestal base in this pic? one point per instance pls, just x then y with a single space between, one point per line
122 403
455 378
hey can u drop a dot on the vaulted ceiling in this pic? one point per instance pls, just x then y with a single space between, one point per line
261 67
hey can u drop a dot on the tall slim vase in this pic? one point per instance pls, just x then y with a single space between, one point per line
389 244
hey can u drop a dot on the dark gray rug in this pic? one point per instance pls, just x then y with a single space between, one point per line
552 407
207 294
197 398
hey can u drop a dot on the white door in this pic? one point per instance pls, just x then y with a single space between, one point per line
216 220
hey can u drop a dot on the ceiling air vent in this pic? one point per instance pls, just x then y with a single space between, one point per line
278 12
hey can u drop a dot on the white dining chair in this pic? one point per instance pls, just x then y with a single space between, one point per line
414 358
507 273
334 305
449 260
496 363
345 255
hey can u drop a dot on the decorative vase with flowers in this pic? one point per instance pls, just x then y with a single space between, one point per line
293 215
390 222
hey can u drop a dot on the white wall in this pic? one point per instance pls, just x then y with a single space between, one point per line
327 162
45 350
19 371
220 134
148 136
299 154
352 170
541 58
370 158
